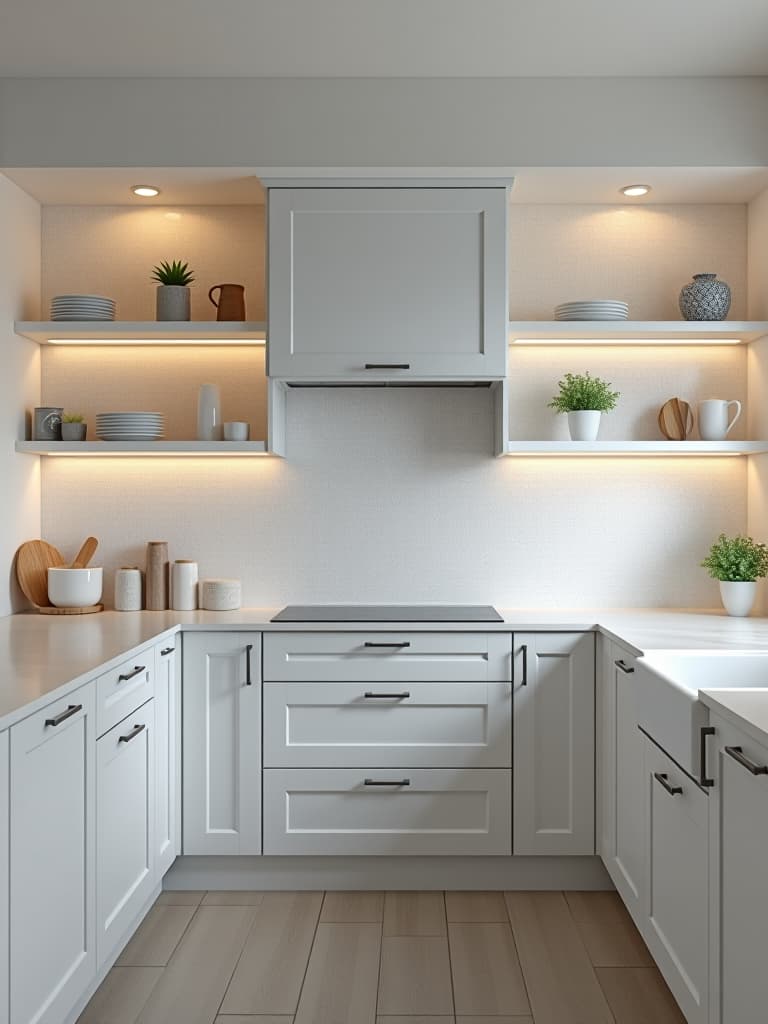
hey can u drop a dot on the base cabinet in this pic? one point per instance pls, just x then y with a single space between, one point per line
52 859
167 767
5 880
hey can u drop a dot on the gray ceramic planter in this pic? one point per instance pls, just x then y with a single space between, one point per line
73 431
172 302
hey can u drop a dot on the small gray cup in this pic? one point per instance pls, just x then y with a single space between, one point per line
46 424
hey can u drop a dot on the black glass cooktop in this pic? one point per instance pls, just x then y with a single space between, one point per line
388 613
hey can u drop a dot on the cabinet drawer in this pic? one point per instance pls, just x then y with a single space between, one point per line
123 689
387 656
440 725
397 811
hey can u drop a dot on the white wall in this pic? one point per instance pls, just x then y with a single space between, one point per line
19 380
758 372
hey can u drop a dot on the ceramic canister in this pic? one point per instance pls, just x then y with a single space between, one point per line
128 589
184 585
220 595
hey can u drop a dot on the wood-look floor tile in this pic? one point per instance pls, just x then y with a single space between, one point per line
476 906
415 976
352 907
607 930
559 976
239 898
121 996
157 937
340 986
494 1020
249 1018
414 913
194 982
271 970
487 979
639 995
421 1019
179 898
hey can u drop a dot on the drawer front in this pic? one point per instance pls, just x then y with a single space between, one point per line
123 689
439 725
388 656
392 812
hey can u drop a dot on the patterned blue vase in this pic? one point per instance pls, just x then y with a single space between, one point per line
705 298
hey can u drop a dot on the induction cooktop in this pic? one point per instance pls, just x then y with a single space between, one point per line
388 613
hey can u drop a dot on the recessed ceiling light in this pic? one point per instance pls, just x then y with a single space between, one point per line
146 191
635 190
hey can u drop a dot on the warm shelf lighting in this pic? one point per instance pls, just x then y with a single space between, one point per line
635 190
145 191
157 342
625 341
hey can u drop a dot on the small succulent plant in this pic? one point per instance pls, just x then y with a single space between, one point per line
73 417
176 273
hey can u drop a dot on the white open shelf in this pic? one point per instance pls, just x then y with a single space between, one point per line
151 448
621 448
128 332
648 332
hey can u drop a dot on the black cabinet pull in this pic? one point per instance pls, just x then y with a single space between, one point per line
167 650
130 675
132 734
386 696
706 730
387 782
737 754
626 669
661 778
387 366
71 710
524 649
372 643
248 649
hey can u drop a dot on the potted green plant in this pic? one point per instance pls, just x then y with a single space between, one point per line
172 290
737 562
584 398
73 427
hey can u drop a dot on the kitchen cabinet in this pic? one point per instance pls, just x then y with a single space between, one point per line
167 754
52 853
4 875
376 284
677 881
553 684
621 777
739 839
125 825
222 743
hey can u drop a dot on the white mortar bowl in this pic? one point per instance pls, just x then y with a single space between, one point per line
74 588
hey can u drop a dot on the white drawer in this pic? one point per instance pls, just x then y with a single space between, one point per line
437 725
387 656
392 812
123 689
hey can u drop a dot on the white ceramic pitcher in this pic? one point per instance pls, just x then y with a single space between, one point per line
713 418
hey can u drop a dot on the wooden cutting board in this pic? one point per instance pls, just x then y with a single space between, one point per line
53 610
33 560
676 420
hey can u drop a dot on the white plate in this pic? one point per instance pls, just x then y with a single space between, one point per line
595 302
79 318
131 437
81 298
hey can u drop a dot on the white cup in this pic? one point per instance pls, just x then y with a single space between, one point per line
236 431
713 418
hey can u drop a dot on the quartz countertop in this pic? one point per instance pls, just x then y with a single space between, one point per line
746 709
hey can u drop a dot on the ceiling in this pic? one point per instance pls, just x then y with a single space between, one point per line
217 186
382 38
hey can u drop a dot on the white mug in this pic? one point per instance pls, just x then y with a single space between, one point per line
236 430
713 418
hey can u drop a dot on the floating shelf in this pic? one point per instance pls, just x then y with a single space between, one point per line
636 332
127 332
634 448
142 448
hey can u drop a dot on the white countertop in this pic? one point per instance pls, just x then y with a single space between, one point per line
43 656
746 709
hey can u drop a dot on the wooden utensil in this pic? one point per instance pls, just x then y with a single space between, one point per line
33 560
85 554
676 420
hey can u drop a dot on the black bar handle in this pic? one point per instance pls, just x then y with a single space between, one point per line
372 643
138 669
132 734
71 710
738 755
387 696
524 649
387 366
661 778
248 649
386 782
706 730
626 669
167 650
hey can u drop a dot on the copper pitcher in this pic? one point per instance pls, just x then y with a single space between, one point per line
231 304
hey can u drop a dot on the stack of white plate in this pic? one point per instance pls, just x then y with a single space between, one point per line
82 307
592 309
129 426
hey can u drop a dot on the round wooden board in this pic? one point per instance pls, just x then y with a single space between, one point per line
33 560
52 610
676 420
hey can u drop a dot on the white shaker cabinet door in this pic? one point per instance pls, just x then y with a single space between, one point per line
222 743
554 743
4 875
52 846
167 773
375 284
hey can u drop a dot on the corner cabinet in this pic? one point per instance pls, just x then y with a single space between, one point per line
375 284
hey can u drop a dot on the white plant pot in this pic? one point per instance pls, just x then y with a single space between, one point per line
172 302
738 597
584 425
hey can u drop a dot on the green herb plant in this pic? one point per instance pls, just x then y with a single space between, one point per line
580 391
737 559
73 417
176 273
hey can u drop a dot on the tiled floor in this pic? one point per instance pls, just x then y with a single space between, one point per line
385 958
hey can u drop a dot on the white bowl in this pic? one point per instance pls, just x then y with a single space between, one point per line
74 588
